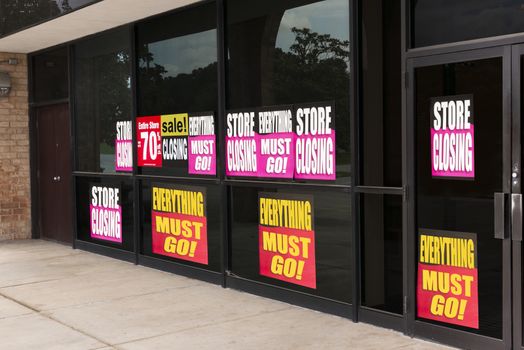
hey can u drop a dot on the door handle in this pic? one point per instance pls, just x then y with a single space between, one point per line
516 217
500 210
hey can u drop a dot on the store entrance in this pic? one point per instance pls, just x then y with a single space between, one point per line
460 172
54 172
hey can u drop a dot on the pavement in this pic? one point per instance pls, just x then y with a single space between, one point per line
54 297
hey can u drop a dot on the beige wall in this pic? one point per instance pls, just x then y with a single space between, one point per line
15 200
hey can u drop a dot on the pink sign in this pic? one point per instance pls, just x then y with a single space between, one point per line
315 149
277 155
105 214
241 156
124 156
241 144
315 157
452 137
124 146
202 157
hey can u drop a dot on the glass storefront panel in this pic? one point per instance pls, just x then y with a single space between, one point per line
289 53
104 212
293 238
104 103
381 90
177 75
436 22
182 223
51 76
381 228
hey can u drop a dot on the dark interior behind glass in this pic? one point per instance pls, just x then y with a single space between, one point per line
381 227
51 76
381 87
333 244
214 220
102 96
445 21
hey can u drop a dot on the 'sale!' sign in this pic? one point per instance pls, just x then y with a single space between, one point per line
452 137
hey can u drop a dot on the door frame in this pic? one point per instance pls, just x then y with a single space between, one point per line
413 326
517 52
33 160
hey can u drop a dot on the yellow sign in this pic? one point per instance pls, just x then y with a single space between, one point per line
175 124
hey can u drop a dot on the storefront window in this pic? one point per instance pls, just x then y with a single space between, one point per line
104 212
312 255
446 21
381 227
381 88
293 54
103 103
193 237
177 80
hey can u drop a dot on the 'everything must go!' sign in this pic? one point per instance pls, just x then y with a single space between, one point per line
447 284
286 237
179 222
452 137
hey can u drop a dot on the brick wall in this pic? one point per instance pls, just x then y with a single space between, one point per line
15 200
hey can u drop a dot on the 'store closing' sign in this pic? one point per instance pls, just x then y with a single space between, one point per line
179 223
105 213
287 238
447 285
452 137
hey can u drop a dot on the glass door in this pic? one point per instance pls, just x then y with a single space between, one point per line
459 166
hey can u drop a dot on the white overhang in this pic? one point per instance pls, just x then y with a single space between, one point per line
91 19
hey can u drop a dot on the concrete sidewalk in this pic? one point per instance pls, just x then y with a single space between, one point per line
53 297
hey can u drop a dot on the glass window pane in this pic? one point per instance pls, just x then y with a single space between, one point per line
51 75
445 21
212 208
464 205
381 227
177 73
290 52
86 216
331 224
16 15
381 133
103 98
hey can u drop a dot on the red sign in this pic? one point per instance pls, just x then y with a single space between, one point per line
180 236
447 283
179 223
149 141
287 238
